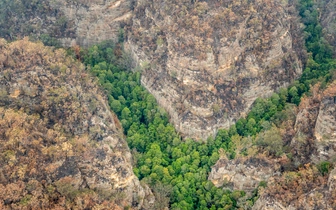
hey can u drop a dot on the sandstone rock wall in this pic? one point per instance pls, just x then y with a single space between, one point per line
82 22
206 62
94 21
328 17
243 173
315 127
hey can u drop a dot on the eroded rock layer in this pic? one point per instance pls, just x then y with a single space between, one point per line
204 61
315 127
327 18
70 22
207 61
94 21
243 173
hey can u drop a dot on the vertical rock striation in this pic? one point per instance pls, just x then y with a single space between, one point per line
206 62
94 21
327 18
82 22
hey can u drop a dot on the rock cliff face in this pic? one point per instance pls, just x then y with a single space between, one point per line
60 145
94 21
325 128
315 127
243 173
328 16
207 61
82 22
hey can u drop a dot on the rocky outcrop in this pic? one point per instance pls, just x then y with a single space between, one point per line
315 127
207 61
60 145
265 204
243 173
314 142
70 22
325 127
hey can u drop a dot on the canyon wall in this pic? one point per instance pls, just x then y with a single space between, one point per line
327 18
206 62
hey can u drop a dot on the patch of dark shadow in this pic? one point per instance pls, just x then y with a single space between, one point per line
85 184
221 163
89 173
51 123
68 168
97 136
135 203
288 167
8 201
55 199
186 116
228 186
121 189
103 180
124 172
100 154
100 137
116 160
257 161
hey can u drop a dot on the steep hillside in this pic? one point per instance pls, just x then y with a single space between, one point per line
60 146
62 22
207 61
